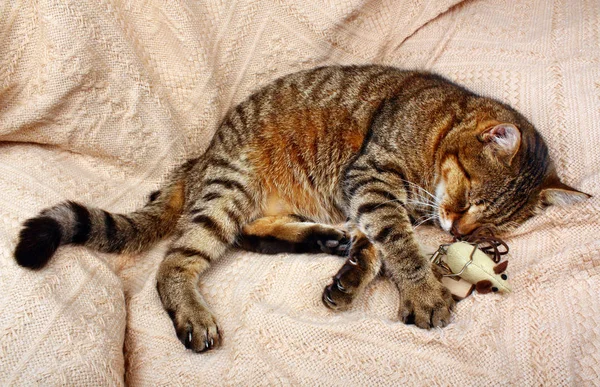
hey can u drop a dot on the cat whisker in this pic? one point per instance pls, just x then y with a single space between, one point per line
423 198
427 215
424 221
419 188
434 206
391 201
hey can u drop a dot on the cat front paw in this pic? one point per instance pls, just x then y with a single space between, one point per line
426 303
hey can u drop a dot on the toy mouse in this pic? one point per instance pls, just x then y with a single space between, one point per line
465 266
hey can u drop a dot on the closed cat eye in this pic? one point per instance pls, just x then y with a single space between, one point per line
479 202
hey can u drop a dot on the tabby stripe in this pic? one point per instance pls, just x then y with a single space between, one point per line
416 93
515 210
314 146
311 179
223 164
188 165
154 195
300 160
211 196
241 112
326 77
134 226
383 234
443 132
409 79
233 129
233 216
368 208
229 184
369 134
366 87
394 171
238 206
83 225
188 252
257 100
353 187
397 236
358 168
211 225
504 200
462 168
298 218
198 210
414 273
386 194
501 197
110 230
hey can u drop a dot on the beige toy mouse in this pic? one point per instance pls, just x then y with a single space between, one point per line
466 267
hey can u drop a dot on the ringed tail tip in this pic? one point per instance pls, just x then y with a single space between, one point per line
38 241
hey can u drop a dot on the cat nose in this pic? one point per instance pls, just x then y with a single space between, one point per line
460 229
454 230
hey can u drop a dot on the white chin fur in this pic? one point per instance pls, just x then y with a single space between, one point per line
445 223
440 192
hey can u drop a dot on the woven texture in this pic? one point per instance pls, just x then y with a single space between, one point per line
99 99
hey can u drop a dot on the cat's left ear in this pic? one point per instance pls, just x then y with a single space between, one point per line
555 192
502 140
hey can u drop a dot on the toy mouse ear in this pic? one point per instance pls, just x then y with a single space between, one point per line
501 267
483 286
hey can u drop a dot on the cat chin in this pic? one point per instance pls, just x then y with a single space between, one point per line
440 192
445 224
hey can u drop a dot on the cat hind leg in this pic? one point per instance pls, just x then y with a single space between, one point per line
293 234
222 203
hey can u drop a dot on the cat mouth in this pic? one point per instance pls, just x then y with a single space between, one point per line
456 224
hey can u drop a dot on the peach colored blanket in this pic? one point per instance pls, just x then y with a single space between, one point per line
100 98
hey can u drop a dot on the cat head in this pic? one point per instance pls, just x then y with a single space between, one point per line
494 170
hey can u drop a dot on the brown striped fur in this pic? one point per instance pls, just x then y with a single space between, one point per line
376 145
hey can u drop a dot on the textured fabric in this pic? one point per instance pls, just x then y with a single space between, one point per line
99 99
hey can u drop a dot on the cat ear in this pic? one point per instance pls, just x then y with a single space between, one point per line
503 140
554 192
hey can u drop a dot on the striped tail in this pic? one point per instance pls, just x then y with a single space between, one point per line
73 223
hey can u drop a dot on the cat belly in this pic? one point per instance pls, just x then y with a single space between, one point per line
298 201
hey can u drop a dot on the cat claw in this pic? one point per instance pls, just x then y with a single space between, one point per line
327 300
188 339
340 287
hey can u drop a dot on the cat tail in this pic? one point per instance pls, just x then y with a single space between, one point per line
73 223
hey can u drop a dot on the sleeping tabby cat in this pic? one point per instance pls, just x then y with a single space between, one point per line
377 146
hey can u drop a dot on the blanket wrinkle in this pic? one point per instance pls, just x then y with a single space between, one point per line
99 100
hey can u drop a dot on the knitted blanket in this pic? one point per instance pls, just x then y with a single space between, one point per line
99 99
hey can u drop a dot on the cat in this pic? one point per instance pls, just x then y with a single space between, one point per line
375 146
